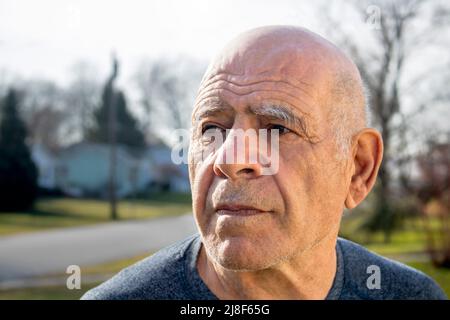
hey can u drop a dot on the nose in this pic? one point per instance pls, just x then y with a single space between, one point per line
237 159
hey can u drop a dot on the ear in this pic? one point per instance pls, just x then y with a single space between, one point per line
367 152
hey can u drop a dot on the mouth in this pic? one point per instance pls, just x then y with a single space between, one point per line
238 210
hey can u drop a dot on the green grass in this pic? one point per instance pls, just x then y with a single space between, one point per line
112 267
45 293
410 237
69 212
403 241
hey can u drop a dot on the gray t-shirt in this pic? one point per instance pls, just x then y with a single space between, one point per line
171 273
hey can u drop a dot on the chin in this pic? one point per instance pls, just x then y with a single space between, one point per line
241 254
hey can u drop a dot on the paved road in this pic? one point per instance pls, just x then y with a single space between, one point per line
41 253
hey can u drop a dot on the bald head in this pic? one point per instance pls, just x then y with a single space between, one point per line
315 73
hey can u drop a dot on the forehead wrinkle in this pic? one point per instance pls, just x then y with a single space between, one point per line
216 92
247 80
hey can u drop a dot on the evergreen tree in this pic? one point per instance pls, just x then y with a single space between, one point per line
126 127
18 173
128 132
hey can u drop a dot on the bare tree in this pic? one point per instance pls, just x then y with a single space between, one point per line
83 96
396 31
55 115
167 91
433 189
45 114
45 127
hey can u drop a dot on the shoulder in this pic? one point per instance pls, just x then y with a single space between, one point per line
160 276
371 276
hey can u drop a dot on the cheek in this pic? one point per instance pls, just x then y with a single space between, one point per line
201 176
310 186
295 177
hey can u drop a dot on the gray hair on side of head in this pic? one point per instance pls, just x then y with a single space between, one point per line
350 113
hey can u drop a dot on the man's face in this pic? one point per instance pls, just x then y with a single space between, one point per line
298 205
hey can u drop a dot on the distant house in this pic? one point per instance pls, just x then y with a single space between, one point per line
83 169
167 175
46 164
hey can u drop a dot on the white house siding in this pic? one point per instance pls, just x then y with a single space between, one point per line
45 163
83 170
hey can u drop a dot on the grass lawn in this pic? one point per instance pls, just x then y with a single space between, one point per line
45 293
68 212
410 237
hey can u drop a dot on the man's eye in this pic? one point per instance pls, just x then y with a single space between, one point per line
212 133
211 128
281 129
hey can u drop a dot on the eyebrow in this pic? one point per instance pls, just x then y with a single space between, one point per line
210 110
273 111
281 113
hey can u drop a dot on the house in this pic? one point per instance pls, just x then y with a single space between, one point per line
167 174
83 169
46 164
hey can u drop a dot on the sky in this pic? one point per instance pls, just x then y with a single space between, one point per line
45 38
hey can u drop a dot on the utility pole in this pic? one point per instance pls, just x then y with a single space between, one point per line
112 124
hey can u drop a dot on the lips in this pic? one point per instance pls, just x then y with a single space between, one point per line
238 210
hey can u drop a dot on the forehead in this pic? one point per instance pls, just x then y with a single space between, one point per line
268 71
260 85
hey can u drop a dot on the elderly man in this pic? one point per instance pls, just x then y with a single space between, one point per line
274 234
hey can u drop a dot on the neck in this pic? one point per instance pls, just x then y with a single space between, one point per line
309 275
